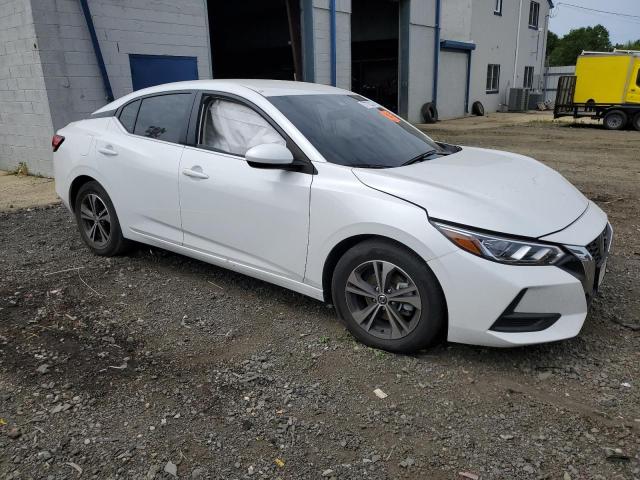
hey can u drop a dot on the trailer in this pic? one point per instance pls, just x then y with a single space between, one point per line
606 87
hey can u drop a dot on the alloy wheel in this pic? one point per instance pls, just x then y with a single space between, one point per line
383 299
96 221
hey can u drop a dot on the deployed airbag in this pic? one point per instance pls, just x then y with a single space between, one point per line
235 128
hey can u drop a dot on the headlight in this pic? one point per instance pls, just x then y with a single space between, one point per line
501 249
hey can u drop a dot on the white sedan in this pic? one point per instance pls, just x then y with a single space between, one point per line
326 193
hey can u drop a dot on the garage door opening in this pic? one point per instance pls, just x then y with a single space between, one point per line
374 50
256 39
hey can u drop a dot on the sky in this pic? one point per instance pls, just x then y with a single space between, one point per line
621 29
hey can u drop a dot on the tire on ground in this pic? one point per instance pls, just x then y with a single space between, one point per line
615 120
477 109
429 113
636 121
432 320
116 244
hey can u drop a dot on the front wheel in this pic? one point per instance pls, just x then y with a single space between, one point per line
636 121
388 297
98 222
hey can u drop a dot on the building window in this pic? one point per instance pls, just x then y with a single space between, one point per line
493 78
528 77
534 13
497 10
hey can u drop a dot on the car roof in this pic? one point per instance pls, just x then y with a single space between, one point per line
266 88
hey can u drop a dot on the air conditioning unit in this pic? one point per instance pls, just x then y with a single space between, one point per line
534 100
518 99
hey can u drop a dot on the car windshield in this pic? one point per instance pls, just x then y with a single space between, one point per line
353 131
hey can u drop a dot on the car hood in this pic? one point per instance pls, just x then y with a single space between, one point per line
488 189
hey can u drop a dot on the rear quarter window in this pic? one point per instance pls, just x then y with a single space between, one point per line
164 117
128 115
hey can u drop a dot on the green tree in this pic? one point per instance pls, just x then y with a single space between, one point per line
630 45
570 46
552 42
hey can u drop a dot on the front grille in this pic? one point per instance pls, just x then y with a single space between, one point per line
586 262
600 246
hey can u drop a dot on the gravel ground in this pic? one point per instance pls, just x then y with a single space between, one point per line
153 365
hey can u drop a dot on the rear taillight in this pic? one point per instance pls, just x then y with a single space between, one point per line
56 141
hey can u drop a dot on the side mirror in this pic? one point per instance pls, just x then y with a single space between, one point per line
269 155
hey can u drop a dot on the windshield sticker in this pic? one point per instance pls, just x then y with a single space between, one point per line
389 116
368 104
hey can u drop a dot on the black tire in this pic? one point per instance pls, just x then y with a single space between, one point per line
615 120
636 122
477 109
427 321
101 232
429 113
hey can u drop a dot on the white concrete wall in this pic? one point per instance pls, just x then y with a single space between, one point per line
421 51
496 39
532 45
151 27
455 18
25 121
322 42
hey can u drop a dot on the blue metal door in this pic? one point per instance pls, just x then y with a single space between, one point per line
150 70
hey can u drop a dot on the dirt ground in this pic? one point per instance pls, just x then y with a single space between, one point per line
18 192
153 365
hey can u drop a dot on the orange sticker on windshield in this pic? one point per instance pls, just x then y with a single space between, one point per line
390 116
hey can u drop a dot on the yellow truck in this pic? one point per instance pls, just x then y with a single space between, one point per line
606 86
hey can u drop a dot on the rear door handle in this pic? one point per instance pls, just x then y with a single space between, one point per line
191 172
108 150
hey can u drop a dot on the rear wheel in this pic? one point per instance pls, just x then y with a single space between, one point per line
615 120
98 222
388 297
636 121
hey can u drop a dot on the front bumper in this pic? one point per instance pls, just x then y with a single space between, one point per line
502 305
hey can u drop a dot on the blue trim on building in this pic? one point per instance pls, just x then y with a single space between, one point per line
308 48
334 43
96 49
436 54
455 45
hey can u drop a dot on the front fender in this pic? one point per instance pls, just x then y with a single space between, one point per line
342 207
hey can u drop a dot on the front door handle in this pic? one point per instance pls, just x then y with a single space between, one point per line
108 150
193 173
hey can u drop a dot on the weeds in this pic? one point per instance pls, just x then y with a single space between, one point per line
21 170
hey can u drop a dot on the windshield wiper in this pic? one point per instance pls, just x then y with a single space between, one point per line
423 156
366 165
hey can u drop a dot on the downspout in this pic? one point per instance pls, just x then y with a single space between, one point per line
96 49
515 64
466 93
544 44
436 54
334 47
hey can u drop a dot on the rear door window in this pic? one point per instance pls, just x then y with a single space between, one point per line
164 117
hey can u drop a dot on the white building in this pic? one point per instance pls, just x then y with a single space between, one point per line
62 59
